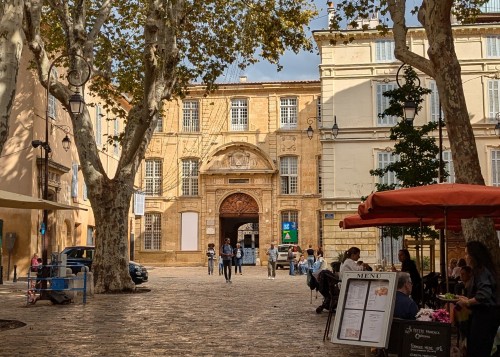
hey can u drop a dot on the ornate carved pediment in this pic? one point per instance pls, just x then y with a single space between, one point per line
238 158
239 204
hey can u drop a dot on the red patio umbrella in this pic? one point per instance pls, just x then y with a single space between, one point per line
440 201
434 201
356 221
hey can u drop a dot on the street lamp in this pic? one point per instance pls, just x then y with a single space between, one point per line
310 130
76 106
335 127
410 107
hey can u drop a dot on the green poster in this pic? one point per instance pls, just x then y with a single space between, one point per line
289 236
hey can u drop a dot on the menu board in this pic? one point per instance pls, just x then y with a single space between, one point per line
365 308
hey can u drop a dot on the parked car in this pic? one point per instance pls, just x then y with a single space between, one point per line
282 261
83 255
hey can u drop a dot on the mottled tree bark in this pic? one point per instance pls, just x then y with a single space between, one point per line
11 47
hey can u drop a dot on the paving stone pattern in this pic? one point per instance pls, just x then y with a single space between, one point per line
185 313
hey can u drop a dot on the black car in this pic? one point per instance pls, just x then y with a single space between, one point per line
83 255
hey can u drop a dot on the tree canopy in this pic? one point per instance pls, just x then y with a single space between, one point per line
149 51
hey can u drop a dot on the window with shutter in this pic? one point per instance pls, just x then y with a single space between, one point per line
448 165
493 46
495 168
383 104
74 181
493 99
98 125
384 51
384 159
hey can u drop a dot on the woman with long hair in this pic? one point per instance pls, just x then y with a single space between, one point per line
351 261
409 266
484 318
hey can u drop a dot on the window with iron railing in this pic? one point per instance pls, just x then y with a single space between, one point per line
152 231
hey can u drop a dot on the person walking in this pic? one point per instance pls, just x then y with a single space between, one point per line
310 256
272 254
484 318
221 265
291 261
238 258
226 251
211 258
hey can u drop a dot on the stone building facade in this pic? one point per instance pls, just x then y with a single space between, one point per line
353 78
234 163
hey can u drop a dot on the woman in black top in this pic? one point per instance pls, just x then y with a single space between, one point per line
484 318
310 256
409 266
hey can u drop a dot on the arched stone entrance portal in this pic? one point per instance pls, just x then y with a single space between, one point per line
239 221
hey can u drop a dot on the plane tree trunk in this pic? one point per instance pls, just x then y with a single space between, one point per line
11 47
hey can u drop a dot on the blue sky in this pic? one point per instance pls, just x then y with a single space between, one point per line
301 66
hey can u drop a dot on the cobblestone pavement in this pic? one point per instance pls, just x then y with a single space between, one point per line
185 313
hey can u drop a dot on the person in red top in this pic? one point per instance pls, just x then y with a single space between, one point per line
34 263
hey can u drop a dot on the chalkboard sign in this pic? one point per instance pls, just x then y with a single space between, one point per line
420 338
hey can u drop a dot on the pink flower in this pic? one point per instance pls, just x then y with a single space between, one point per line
441 315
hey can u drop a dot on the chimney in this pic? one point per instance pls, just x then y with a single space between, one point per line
243 79
331 12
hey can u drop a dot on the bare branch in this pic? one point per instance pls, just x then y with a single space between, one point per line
397 10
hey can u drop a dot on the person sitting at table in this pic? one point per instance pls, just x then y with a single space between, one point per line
464 285
405 307
456 272
451 267
351 261
409 266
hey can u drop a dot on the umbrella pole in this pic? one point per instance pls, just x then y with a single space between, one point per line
446 248
422 264
392 250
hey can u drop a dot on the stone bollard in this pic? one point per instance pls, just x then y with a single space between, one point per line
70 278
90 281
